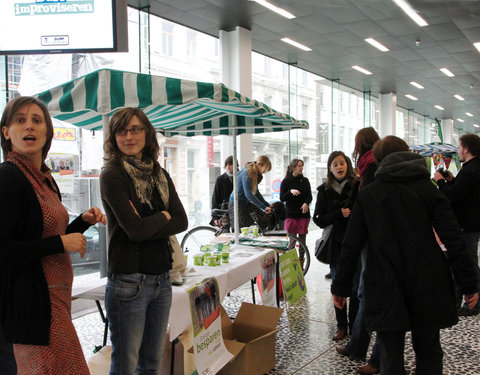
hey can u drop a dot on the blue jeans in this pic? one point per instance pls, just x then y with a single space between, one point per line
138 307
471 241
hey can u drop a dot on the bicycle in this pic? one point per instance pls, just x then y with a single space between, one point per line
204 234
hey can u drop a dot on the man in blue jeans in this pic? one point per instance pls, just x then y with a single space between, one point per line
463 191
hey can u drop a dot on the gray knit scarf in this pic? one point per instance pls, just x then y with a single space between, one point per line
338 186
144 180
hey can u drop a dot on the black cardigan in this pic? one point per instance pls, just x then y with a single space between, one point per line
25 311
137 244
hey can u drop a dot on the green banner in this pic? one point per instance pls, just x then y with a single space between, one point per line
291 273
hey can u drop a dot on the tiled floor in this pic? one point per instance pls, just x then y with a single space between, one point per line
304 344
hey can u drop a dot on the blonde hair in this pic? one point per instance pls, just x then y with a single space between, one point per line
253 172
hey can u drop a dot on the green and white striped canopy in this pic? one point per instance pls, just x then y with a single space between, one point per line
174 106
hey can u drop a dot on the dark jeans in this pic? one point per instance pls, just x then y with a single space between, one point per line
8 366
359 341
344 320
426 344
471 240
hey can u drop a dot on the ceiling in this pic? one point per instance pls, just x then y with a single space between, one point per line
335 31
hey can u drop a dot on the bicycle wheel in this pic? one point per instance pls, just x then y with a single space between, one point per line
197 237
302 249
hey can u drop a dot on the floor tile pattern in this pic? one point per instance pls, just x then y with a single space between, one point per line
304 338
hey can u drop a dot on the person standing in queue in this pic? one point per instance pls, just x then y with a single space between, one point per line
463 191
408 282
143 211
335 199
296 192
35 242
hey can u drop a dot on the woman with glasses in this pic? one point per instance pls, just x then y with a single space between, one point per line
143 210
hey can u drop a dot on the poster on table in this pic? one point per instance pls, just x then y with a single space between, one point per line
268 280
291 274
208 346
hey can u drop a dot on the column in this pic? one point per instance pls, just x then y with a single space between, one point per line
236 73
447 130
388 107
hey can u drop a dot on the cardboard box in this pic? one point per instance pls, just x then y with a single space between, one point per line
251 339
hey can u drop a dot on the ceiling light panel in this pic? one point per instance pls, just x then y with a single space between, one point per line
407 8
460 120
447 72
411 97
459 97
275 9
377 44
477 46
362 70
439 107
417 85
296 44
469 114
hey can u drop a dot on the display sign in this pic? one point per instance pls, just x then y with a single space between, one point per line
53 26
291 274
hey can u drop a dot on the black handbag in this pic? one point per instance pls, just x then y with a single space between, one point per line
323 246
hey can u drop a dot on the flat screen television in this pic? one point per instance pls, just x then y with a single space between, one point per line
62 26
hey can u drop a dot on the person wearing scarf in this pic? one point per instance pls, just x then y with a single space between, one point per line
36 238
143 211
335 199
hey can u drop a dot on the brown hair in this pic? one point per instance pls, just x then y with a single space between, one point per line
364 141
471 142
388 145
350 175
252 169
228 161
118 122
293 164
11 110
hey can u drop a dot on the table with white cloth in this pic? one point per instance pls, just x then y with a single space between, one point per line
244 264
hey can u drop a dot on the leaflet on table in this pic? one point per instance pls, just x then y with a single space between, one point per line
268 280
291 274
208 346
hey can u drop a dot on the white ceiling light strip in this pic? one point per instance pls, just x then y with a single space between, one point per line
406 7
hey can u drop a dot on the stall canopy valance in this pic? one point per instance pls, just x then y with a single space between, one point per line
174 106
435 148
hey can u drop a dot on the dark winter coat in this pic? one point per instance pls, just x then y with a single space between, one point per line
328 211
464 195
222 190
408 282
294 202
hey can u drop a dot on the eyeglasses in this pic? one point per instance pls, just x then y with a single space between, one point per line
133 130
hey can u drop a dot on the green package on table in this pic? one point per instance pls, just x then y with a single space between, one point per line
198 260
205 248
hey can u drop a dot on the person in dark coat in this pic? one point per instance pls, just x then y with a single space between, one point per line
332 211
357 345
223 187
408 281
463 192
296 192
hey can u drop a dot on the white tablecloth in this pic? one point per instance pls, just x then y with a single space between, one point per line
244 265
